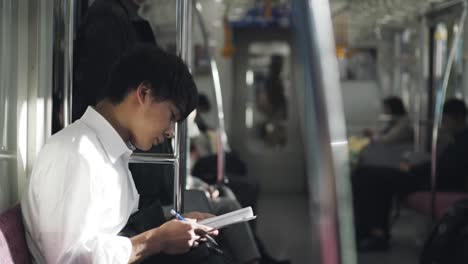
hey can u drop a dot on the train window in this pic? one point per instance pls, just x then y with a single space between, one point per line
268 82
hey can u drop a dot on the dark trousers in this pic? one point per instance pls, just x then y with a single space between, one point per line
374 190
152 217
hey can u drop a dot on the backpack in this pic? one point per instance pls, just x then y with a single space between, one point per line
448 240
206 168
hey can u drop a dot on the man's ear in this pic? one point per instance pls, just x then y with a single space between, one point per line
142 92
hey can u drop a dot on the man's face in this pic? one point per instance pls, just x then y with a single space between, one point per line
154 122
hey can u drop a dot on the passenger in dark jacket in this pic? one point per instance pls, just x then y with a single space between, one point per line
110 28
375 187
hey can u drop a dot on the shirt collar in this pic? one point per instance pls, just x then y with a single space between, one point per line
106 133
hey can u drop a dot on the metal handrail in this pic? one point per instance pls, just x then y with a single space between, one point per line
64 27
222 137
7 155
326 143
153 158
64 33
179 158
183 28
441 94
421 88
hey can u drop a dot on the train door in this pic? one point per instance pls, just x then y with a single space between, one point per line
265 124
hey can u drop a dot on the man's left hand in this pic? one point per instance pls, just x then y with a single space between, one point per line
198 216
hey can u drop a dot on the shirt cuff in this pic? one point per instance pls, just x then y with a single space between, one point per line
110 249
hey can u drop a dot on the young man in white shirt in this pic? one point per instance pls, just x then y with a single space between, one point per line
81 193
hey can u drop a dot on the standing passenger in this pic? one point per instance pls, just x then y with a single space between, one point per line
110 28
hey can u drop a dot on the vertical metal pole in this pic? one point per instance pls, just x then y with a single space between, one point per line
326 144
396 80
7 48
183 23
421 91
222 137
64 25
441 94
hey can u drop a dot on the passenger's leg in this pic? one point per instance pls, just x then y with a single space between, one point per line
373 191
265 257
246 189
239 238
195 256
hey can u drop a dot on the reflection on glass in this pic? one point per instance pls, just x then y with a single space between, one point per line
440 49
444 38
267 80
455 85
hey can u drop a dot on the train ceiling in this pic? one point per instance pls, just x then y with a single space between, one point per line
355 21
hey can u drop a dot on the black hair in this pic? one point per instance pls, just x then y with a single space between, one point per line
395 105
167 76
455 108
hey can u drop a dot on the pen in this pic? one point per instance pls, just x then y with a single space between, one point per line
177 215
181 218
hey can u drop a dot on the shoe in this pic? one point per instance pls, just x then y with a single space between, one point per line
373 243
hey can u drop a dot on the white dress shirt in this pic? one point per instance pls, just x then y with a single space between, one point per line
80 196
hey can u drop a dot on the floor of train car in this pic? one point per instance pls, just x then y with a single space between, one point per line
283 225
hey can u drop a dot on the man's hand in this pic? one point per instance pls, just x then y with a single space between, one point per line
178 237
198 216
173 237
405 166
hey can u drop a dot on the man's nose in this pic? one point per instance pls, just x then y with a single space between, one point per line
170 132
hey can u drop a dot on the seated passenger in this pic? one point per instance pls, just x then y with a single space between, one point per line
205 163
397 127
81 193
241 191
375 187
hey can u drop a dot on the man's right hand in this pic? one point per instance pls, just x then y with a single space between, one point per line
405 166
177 237
173 237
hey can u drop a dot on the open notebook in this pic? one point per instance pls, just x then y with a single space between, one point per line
234 217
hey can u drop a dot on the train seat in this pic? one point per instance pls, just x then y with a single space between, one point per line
421 201
13 248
